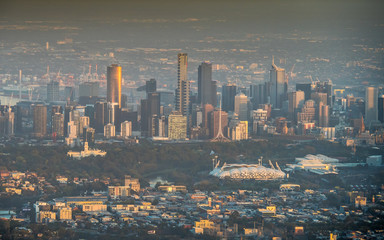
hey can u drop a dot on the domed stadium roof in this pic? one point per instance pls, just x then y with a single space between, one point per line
247 171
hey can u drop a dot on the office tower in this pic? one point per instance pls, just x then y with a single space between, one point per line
109 130
238 130
381 108
113 109
207 89
296 100
306 88
177 126
307 113
182 93
84 123
101 116
371 108
319 97
124 101
207 108
228 97
75 117
214 122
89 89
67 118
279 85
72 130
325 87
114 84
89 111
161 130
324 117
69 93
53 91
144 117
153 109
126 115
40 120
150 86
18 120
241 106
126 129
89 135
58 124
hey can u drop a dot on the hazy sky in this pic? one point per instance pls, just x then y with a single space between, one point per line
278 12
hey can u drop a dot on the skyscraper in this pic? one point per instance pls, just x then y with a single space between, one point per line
114 84
40 120
241 106
126 129
278 86
150 86
381 109
296 100
101 116
207 89
153 110
58 124
177 126
228 97
371 108
182 92
53 91
306 88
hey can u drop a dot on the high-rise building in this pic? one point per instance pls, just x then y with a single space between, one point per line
109 130
153 109
89 135
72 130
114 84
150 86
182 93
207 89
84 123
278 87
381 109
319 97
89 89
58 124
324 116
238 130
53 91
306 88
126 129
258 94
228 97
307 113
101 116
40 120
296 100
241 106
371 102
325 87
69 94
177 126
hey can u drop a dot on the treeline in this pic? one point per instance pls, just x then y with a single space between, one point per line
181 163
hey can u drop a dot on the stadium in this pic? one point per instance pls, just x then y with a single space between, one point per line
247 171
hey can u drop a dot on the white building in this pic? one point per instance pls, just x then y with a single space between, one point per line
109 130
86 152
126 129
